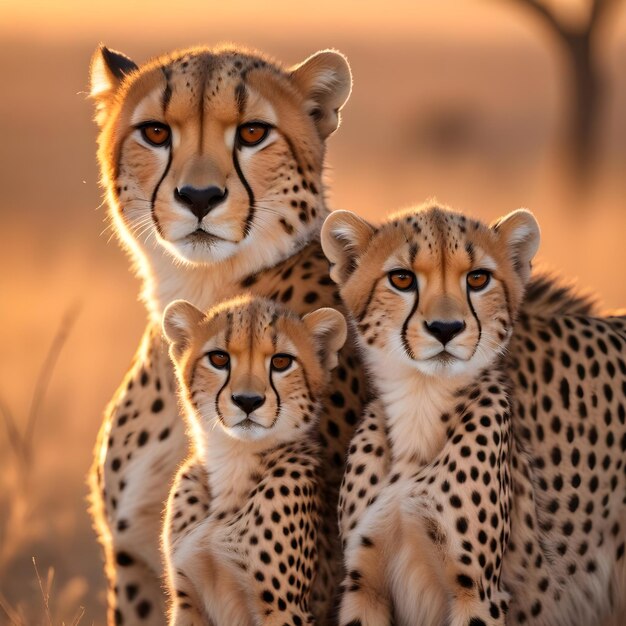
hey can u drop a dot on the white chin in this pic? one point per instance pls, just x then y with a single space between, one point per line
443 365
248 432
199 252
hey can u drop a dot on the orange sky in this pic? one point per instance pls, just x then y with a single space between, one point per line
201 19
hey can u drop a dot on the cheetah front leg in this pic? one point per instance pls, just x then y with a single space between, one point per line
365 599
203 584
139 593
132 561
184 603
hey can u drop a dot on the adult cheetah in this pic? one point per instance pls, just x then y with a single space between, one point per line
212 161
480 488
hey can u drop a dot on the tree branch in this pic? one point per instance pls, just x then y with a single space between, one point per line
45 374
599 9
547 16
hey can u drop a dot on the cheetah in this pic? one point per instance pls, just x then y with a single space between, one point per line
458 504
212 160
242 518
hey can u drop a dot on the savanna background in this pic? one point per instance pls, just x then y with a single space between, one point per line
487 105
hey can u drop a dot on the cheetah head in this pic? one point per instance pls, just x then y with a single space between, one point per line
430 288
212 154
252 368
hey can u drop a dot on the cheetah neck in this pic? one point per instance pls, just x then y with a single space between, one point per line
233 466
166 278
414 405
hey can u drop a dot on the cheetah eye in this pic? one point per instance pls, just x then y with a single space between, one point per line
281 362
219 359
403 280
253 133
478 279
155 133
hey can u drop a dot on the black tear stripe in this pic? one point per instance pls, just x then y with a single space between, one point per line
480 328
165 100
405 326
217 397
251 201
370 296
155 219
278 405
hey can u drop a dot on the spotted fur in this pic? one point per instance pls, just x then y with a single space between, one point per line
478 517
241 531
262 237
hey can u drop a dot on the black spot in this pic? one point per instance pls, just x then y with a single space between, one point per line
337 399
164 434
157 406
124 559
143 609
131 592
465 581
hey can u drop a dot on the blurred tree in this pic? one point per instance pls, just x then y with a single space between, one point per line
578 41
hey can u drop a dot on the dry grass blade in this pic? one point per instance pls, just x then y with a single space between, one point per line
45 374
44 594
79 616
15 619
15 440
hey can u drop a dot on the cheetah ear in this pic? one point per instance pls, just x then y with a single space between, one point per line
344 237
179 319
326 82
329 330
107 71
520 234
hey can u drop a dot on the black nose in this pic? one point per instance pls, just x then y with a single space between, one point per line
200 201
444 331
248 403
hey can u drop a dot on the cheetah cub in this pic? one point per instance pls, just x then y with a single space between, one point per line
424 505
445 518
240 535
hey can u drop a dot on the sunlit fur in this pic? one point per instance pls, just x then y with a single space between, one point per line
237 460
274 200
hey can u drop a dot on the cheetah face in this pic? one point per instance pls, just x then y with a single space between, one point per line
209 154
251 368
431 289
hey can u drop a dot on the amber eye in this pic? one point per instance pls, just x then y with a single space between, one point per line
253 133
281 362
219 359
478 280
155 133
403 280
